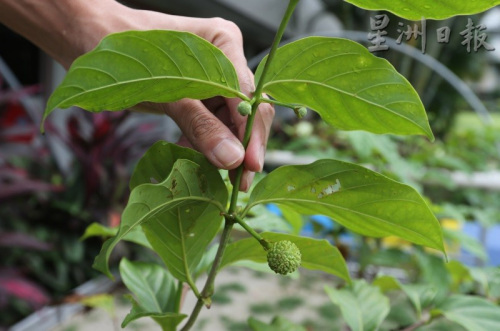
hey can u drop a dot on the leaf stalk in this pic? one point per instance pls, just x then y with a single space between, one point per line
265 244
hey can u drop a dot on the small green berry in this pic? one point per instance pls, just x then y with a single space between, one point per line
300 111
245 108
284 257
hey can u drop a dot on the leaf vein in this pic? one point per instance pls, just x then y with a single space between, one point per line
127 56
346 93
323 60
163 51
96 69
278 200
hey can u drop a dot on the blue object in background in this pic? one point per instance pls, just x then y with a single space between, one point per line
493 245
274 209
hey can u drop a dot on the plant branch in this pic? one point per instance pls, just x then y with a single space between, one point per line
279 103
258 98
208 290
418 324
254 234
277 38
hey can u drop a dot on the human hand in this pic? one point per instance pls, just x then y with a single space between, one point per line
214 127
66 29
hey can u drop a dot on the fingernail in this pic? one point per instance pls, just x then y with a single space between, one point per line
228 152
248 181
262 154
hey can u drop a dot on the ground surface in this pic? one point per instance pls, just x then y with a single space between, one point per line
240 293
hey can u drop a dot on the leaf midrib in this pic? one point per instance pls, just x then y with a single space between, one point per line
151 292
140 80
354 95
278 200
153 212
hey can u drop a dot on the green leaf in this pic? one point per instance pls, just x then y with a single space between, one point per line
489 281
156 164
390 257
261 219
347 85
359 199
170 211
135 236
98 230
155 292
206 261
167 321
441 324
293 218
152 285
473 313
181 235
262 268
130 67
419 294
433 271
277 324
430 9
363 306
458 273
316 254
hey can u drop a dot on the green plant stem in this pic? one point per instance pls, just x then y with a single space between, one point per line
254 234
277 38
258 98
208 289
417 324
283 104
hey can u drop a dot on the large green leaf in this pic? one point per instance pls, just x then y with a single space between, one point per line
430 9
129 67
135 236
174 209
471 312
155 293
360 199
363 306
156 164
167 321
180 236
316 254
432 270
347 85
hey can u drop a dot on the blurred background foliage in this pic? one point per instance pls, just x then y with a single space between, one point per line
45 208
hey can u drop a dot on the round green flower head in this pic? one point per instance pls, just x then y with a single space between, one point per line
283 257
300 111
245 108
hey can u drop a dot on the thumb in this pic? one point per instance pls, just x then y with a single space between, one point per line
206 133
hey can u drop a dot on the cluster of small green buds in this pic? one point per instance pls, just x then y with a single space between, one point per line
300 111
245 108
283 257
